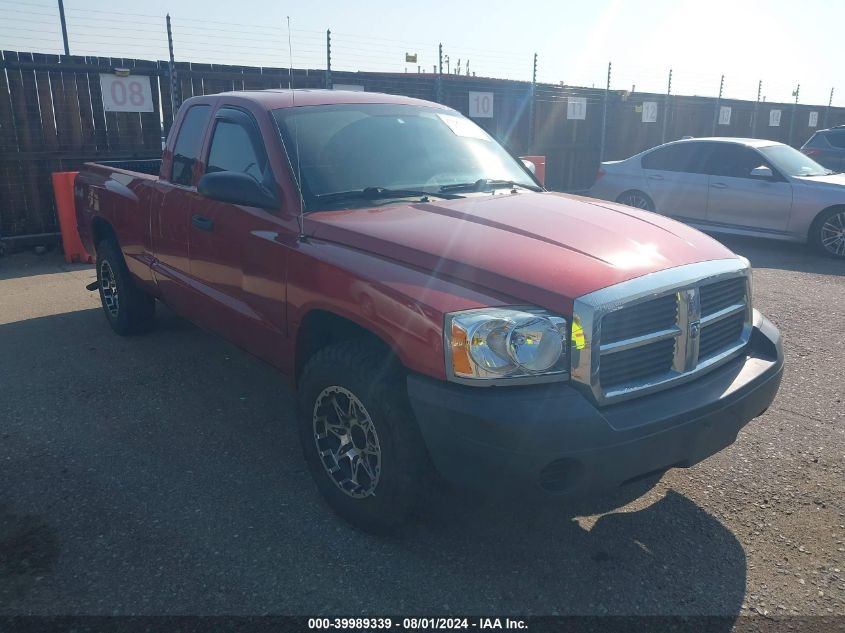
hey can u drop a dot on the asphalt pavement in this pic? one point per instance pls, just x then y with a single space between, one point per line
162 474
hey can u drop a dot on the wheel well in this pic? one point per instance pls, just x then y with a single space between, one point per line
320 329
101 230
811 231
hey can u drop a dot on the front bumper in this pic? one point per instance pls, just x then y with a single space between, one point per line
551 438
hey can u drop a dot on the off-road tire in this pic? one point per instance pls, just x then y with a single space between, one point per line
134 311
364 369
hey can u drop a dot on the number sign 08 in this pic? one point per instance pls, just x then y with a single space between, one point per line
126 94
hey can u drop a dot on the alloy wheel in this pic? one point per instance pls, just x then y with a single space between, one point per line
108 286
636 200
347 442
832 234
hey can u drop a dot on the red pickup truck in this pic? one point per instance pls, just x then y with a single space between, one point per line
435 308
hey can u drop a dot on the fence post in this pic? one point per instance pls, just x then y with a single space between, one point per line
175 95
64 26
604 114
827 110
756 110
792 114
438 83
531 106
718 105
328 59
666 108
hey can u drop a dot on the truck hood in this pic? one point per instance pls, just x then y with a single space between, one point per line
545 249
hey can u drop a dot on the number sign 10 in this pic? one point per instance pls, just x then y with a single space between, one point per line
126 94
481 105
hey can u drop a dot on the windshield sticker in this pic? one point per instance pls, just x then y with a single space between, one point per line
463 127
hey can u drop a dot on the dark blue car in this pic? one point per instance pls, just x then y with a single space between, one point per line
827 147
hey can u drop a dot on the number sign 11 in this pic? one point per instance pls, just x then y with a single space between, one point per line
481 105
126 94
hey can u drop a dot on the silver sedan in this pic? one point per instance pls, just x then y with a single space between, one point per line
734 185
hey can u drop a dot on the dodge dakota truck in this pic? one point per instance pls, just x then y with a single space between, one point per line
436 310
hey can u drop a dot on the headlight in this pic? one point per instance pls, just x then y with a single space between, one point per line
497 345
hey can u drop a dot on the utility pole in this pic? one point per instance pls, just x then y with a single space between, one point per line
328 59
64 26
718 105
531 106
604 114
175 97
448 67
666 107
792 114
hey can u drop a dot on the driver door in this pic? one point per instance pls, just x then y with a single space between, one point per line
238 256
741 200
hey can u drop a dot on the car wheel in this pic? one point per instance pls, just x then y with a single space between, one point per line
128 309
636 199
359 435
828 233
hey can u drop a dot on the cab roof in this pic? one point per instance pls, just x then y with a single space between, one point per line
274 99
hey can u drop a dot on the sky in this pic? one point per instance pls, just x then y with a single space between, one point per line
781 42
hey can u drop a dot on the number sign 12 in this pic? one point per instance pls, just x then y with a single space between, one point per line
649 111
481 105
126 94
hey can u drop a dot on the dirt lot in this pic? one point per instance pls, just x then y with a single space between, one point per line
162 474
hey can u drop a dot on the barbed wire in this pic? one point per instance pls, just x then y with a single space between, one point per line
34 24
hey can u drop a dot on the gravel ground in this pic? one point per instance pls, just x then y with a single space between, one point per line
162 474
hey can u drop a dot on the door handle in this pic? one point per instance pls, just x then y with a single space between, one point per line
656 177
202 223
719 185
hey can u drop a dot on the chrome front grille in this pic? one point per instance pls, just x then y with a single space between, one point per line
720 334
720 295
640 319
637 363
661 329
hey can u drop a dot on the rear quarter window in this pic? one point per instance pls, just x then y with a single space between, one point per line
684 157
836 138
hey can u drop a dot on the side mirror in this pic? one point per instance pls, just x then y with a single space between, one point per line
762 172
237 188
530 165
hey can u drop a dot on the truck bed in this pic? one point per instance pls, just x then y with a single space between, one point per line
150 166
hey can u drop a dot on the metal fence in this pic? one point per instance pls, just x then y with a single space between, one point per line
52 114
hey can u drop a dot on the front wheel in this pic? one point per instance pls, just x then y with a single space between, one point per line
828 233
636 199
359 435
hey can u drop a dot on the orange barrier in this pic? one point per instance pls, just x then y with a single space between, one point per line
540 164
72 245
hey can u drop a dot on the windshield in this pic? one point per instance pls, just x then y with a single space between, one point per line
356 147
792 162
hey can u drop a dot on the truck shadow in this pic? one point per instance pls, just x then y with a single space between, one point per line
669 558
174 451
